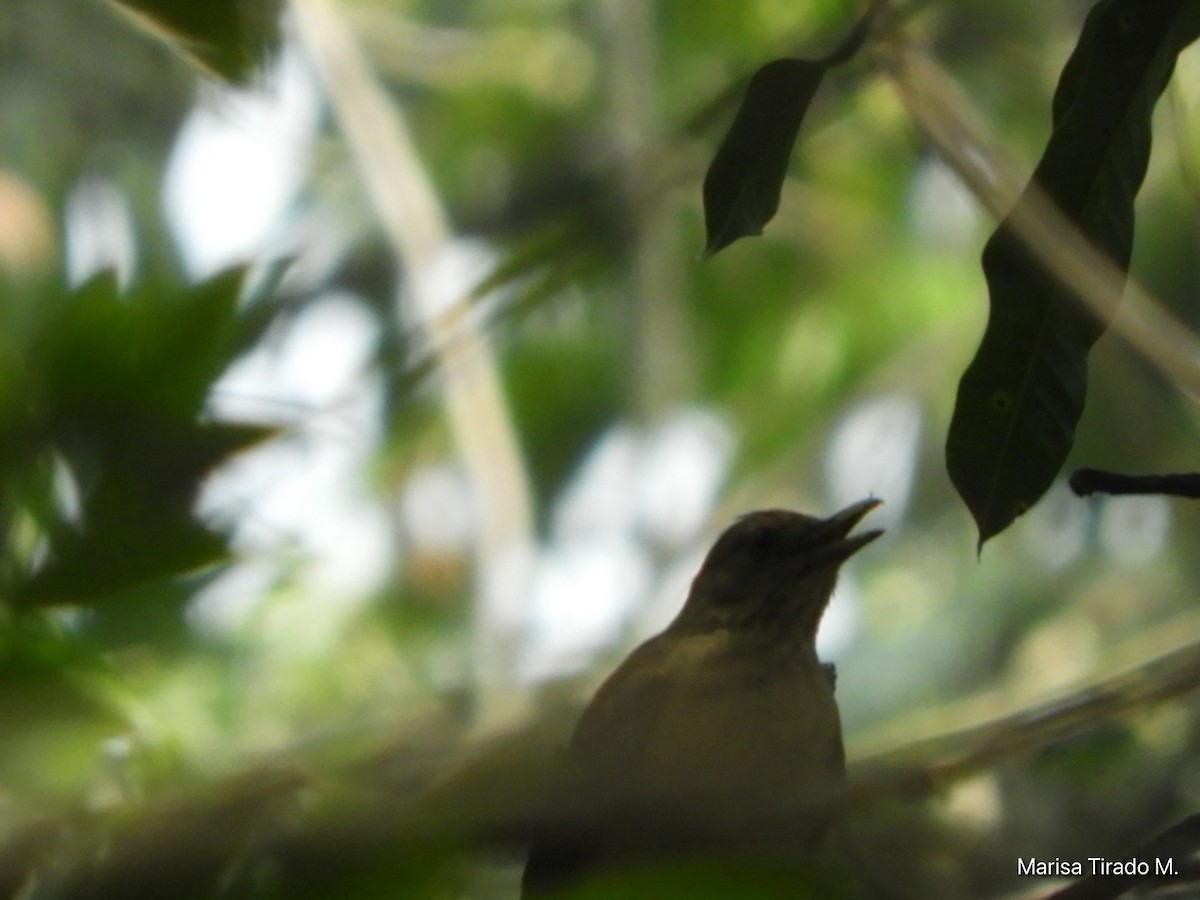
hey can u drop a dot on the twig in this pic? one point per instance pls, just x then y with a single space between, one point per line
1085 482
923 766
853 42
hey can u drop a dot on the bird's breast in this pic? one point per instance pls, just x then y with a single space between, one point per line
750 719
740 739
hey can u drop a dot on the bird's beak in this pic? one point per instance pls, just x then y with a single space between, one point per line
835 543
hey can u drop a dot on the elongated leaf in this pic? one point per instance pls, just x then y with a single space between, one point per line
744 181
1021 397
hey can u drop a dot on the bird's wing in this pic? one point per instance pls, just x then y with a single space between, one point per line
620 721
605 750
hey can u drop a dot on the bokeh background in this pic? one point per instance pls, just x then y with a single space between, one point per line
511 407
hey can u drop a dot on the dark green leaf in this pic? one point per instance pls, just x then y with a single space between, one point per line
1021 398
743 184
228 38
112 366
122 545
121 384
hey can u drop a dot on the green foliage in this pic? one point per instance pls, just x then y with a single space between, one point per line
565 392
102 399
109 392
104 438
57 700
1021 398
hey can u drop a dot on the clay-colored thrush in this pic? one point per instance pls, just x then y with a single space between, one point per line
720 737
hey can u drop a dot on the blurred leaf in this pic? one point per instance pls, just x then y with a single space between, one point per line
39 665
148 614
138 523
123 542
564 392
744 181
1022 395
56 700
227 38
158 349
120 384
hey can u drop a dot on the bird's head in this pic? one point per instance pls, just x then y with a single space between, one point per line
775 569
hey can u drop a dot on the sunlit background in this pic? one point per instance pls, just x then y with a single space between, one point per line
479 501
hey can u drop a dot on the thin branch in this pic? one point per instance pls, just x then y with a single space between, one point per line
920 767
854 41
1085 482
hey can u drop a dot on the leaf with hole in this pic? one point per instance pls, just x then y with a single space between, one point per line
1022 395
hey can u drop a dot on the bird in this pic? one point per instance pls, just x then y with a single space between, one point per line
719 737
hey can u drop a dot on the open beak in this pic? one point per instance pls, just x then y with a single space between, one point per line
835 543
